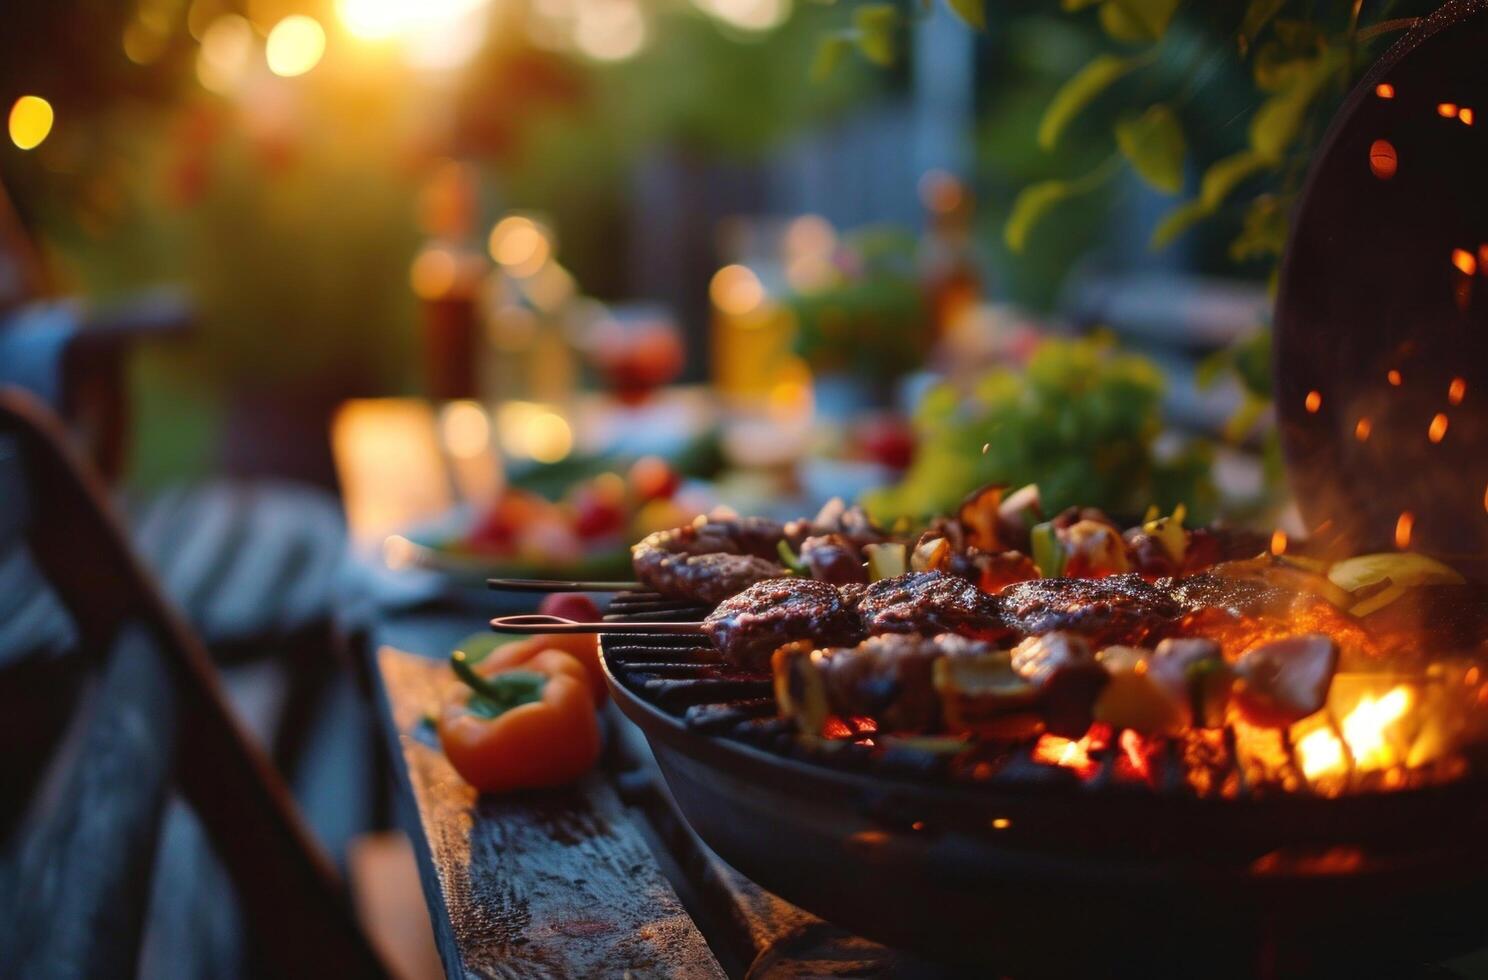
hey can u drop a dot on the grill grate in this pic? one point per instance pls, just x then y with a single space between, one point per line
685 677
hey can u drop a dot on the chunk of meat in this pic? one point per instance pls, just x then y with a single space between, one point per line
748 627
929 603
1115 609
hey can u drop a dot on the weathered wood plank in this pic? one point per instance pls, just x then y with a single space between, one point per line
556 883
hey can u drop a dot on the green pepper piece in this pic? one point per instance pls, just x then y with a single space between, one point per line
789 559
1047 554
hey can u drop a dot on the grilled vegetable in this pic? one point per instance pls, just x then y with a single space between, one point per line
886 560
1093 549
930 554
1285 680
979 516
1136 697
788 557
1196 672
520 729
1017 514
1068 678
800 692
983 695
1047 554
1396 572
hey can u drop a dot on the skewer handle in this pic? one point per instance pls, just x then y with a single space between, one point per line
540 623
549 585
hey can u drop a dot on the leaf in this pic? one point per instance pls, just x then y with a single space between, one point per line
1218 181
1031 204
1258 14
1249 412
1176 222
1277 121
1225 174
1137 21
1072 5
876 24
973 12
830 51
1079 92
1263 230
1153 143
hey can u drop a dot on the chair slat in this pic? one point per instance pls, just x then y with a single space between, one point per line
83 871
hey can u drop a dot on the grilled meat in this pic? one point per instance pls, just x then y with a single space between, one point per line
1237 596
709 560
1116 609
895 680
1063 668
833 558
929 603
748 627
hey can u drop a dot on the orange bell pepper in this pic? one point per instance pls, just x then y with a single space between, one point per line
525 728
583 647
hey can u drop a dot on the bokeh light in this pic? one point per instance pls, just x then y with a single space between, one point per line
736 290
226 48
30 121
520 245
433 274
610 30
748 15
295 46
465 429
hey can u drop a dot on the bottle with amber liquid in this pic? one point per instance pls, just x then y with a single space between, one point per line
950 277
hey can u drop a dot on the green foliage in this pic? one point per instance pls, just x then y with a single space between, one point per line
1137 21
1078 93
1153 144
973 12
876 25
1036 200
1222 177
1079 421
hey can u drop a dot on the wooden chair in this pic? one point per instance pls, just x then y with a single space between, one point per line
76 863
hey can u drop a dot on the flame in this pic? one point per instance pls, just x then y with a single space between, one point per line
1051 750
1465 116
1403 527
1447 110
1365 742
1278 542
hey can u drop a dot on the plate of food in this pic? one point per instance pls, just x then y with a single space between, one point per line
582 534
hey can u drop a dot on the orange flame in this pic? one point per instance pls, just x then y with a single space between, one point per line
1446 110
1465 116
1403 527
1393 377
1278 542
1366 732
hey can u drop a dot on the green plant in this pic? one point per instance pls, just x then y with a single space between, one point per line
1080 420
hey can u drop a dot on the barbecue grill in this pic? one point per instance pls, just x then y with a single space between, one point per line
1119 855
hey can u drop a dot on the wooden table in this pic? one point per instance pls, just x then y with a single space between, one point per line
601 879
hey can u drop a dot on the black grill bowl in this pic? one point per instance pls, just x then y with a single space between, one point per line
1078 880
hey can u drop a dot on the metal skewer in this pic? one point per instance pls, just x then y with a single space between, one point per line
541 623
549 585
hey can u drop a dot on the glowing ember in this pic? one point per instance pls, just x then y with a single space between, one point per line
1278 542
1393 377
1314 401
1362 428
1447 110
1051 750
1465 116
1001 823
1456 391
1438 429
1465 262
1403 527
1382 159
1385 90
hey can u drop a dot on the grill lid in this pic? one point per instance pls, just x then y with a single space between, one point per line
1382 313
